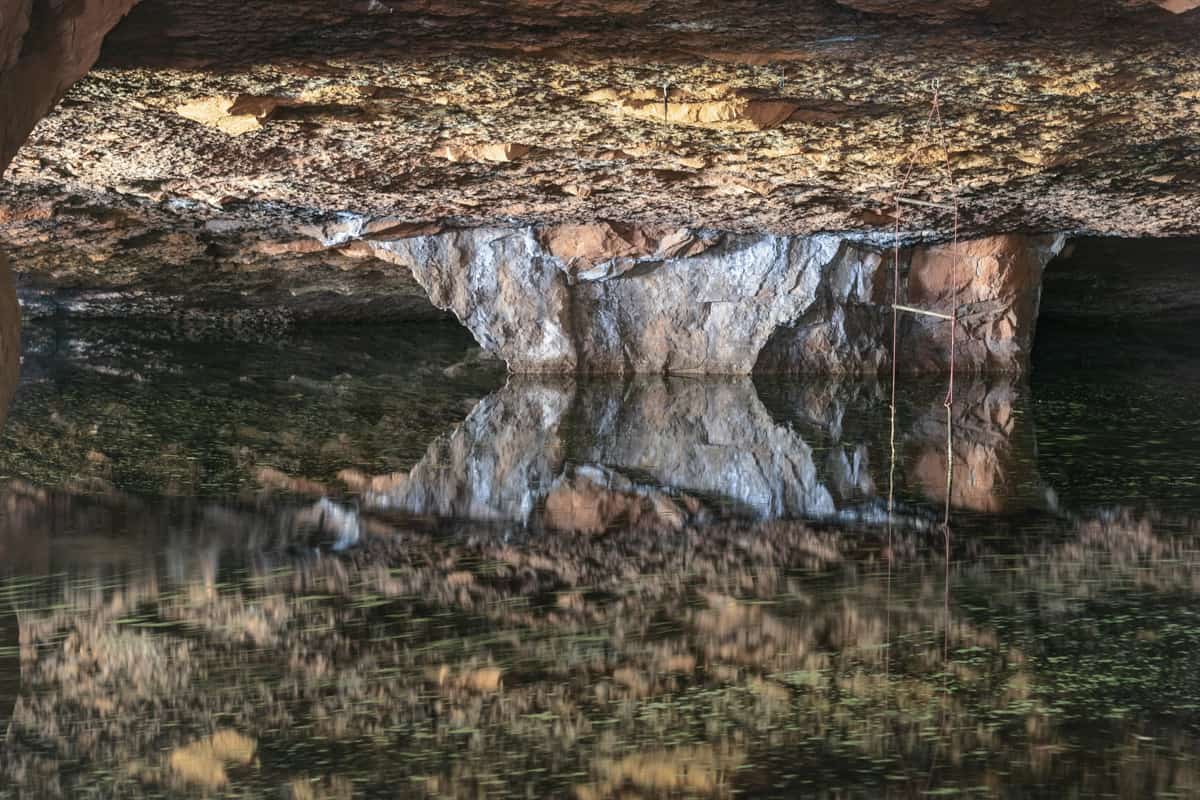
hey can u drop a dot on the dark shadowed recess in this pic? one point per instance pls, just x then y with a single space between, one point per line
1125 306
1116 370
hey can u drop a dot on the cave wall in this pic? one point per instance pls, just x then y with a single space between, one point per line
606 298
1119 280
519 164
45 47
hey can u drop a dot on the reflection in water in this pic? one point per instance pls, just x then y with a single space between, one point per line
658 587
763 657
679 450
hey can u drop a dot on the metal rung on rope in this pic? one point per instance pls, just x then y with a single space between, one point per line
912 310
934 131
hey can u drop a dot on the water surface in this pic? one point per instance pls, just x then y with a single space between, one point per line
357 562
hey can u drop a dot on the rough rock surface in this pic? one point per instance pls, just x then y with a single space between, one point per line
282 160
44 48
815 303
1076 121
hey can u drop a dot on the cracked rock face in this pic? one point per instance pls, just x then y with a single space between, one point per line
601 186
819 304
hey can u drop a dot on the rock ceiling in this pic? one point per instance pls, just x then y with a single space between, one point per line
780 117
221 145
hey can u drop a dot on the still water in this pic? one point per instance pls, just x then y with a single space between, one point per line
364 563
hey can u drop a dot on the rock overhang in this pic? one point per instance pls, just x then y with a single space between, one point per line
278 161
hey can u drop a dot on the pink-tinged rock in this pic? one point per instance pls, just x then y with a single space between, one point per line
42 54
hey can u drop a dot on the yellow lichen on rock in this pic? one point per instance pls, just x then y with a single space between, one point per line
231 115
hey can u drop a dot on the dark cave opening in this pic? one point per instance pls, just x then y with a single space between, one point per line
1110 302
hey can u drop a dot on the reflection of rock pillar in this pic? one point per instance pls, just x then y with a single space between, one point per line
711 438
993 449
496 465
10 668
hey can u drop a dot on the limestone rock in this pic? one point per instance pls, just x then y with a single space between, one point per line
706 313
771 303
995 283
584 247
